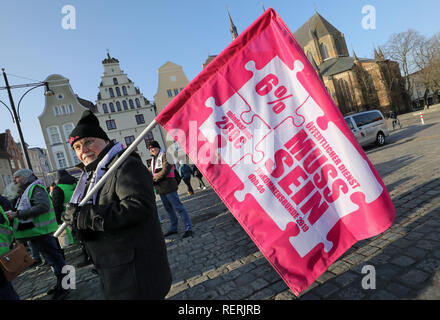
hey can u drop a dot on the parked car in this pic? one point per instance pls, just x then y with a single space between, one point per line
368 127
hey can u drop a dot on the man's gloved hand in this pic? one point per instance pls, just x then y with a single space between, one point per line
70 215
78 217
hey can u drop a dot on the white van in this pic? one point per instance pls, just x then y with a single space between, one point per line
368 127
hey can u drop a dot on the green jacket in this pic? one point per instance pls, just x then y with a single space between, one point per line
6 233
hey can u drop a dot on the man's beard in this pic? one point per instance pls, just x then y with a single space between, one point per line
11 191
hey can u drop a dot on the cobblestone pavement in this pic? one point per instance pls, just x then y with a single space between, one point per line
221 261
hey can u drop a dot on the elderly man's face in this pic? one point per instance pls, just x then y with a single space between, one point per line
154 151
19 180
88 149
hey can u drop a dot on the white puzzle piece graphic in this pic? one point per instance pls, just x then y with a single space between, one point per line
270 131
263 106
343 206
221 117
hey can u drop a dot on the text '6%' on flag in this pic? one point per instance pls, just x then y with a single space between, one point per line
261 127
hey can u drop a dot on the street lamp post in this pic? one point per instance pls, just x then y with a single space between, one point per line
15 114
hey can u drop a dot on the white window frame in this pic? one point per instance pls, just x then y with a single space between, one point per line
50 135
67 133
57 159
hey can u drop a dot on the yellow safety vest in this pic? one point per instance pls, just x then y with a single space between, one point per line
43 224
6 234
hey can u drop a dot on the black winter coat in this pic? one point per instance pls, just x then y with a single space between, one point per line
124 238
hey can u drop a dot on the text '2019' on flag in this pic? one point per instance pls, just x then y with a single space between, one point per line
261 127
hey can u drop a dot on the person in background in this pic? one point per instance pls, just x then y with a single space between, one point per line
62 191
51 187
34 220
7 291
198 175
186 173
119 226
166 187
7 205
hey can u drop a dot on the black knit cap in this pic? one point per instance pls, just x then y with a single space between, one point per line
154 144
88 126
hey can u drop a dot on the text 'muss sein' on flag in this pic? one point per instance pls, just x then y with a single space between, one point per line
261 127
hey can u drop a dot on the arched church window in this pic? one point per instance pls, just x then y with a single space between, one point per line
324 51
309 56
338 46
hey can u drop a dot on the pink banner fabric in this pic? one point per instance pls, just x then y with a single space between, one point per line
262 128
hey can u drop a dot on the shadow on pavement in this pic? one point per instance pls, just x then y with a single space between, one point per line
388 167
399 137
406 257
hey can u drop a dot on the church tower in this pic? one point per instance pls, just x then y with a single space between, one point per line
232 27
320 39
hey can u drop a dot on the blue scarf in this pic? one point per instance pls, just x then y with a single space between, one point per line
101 168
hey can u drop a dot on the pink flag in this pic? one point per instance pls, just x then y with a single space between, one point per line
262 129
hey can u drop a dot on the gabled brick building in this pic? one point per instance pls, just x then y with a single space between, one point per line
11 159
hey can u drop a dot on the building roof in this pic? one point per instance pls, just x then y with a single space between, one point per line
87 104
316 24
110 59
208 60
169 65
337 65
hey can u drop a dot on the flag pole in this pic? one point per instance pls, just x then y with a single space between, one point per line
115 166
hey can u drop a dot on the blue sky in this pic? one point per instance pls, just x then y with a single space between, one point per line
145 34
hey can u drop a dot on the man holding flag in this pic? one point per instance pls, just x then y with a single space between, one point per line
119 226
264 132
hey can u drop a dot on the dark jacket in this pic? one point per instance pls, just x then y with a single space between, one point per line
162 184
196 171
58 194
58 202
5 204
124 237
185 171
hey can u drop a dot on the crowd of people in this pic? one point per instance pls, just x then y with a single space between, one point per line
118 228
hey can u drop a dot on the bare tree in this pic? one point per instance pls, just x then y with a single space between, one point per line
426 56
400 47
394 86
